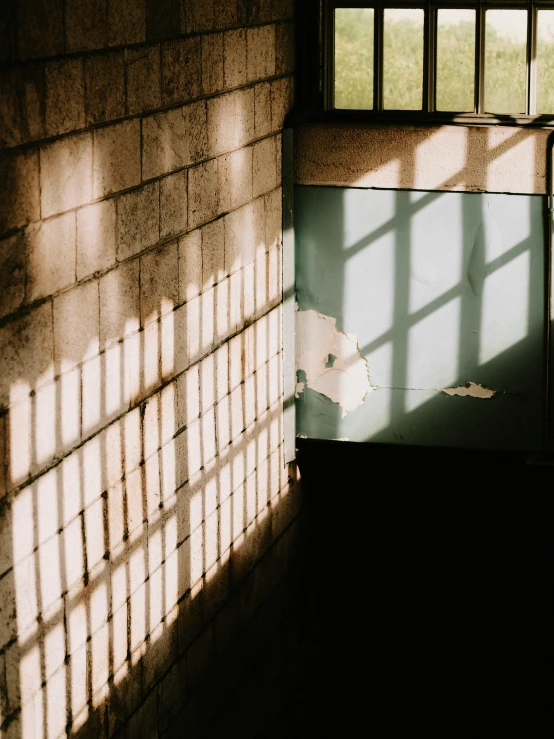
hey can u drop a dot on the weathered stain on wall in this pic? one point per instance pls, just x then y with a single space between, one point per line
330 360
472 159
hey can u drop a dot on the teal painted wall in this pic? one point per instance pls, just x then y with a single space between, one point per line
441 289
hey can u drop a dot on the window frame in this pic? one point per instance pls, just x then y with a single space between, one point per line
322 107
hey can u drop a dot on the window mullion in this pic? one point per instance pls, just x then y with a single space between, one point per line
429 95
378 58
532 61
479 59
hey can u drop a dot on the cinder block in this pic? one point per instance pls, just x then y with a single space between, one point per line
284 48
39 28
76 327
248 290
197 15
52 256
230 121
273 218
236 302
261 286
105 87
124 699
21 104
26 354
159 282
165 147
260 52
116 515
188 396
19 194
144 723
173 204
13 259
262 109
181 70
168 349
200 658
50 574
65 174
150 368
137 220
213 253
255 11
236 177
234 51
190 265
30 80
161 647
143 78
244 234
222 371
207 381
73 547
203 193
99 647
207 316
95 238
94 533
162 19
281 101
119 303
226 14
236 361
222 309
86 25
92 405
65 96
173 139
116 158
212 63
119 637
10 119
172 694
264 166
126 22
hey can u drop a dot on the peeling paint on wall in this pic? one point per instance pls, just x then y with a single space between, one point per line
472 390
330 360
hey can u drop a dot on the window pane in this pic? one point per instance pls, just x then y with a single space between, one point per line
354 58
545 61
403 59
505 61
455 60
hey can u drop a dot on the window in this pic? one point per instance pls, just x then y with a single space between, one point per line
491 60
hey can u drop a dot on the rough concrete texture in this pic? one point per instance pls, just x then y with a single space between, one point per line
478 159
146 509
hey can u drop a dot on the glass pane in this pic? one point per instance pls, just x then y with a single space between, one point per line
354 58
455 60
545 61
403 59
505 61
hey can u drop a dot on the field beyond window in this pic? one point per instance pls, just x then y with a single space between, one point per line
483 58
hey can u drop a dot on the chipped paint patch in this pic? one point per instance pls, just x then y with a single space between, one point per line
330 360
299 389
472 390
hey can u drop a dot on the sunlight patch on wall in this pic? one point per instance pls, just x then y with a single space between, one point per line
505 312
433 351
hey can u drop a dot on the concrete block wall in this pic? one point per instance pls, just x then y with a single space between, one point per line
146 512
